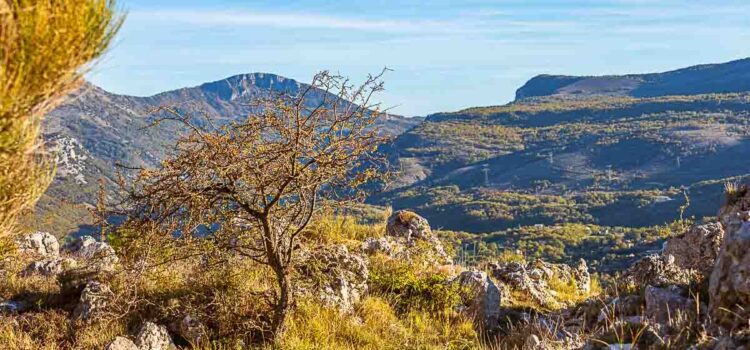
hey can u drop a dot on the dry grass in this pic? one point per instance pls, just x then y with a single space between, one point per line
375 325
343 229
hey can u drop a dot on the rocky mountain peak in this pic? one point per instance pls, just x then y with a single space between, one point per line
242 85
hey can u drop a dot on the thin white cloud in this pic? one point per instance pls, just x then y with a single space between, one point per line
294 20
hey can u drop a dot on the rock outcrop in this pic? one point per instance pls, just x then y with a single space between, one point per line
697 248
381 245
334 275
413 231
482 298
93 301
98 255
121 343
193 330
154 337
665 305
729 286
50 267
533 279
659 271
41 244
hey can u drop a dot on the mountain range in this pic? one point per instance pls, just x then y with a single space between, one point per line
95 130
631 150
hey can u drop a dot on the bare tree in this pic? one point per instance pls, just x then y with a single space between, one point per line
253 186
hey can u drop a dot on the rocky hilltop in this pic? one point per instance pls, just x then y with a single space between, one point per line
692 294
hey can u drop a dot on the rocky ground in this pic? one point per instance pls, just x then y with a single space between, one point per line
694 294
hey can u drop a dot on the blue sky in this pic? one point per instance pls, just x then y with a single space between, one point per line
445 55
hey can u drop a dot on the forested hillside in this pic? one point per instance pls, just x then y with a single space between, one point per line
598 158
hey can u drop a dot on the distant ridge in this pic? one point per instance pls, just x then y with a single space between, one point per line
726 77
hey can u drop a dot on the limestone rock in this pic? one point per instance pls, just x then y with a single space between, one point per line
697 248
154 337
729 285
373 245
121 343
337 277
483 298
737 341
192 330
532 342
414 232
97 254
93 301
39 243
659 271
533 279
579 274
409 225
622 306
667 304
49 267
516 276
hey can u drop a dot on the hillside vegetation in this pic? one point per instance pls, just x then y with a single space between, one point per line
616 161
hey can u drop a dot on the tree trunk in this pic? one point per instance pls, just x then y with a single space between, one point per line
283 303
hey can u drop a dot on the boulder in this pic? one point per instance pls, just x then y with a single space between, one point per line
697 248
588 313
729 285
93 301
737 341
532 342
414 232
579 274
660 271
154 337
40 244
409 225
665 305
192 330
49 267
517 277
334 275
381 245
625 332
121 343
622 306
99 255
482 298
534 278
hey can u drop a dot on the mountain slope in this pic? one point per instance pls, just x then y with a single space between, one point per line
94 129
608 160
727 77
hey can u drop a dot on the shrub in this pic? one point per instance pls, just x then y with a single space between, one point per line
43 46
410 289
